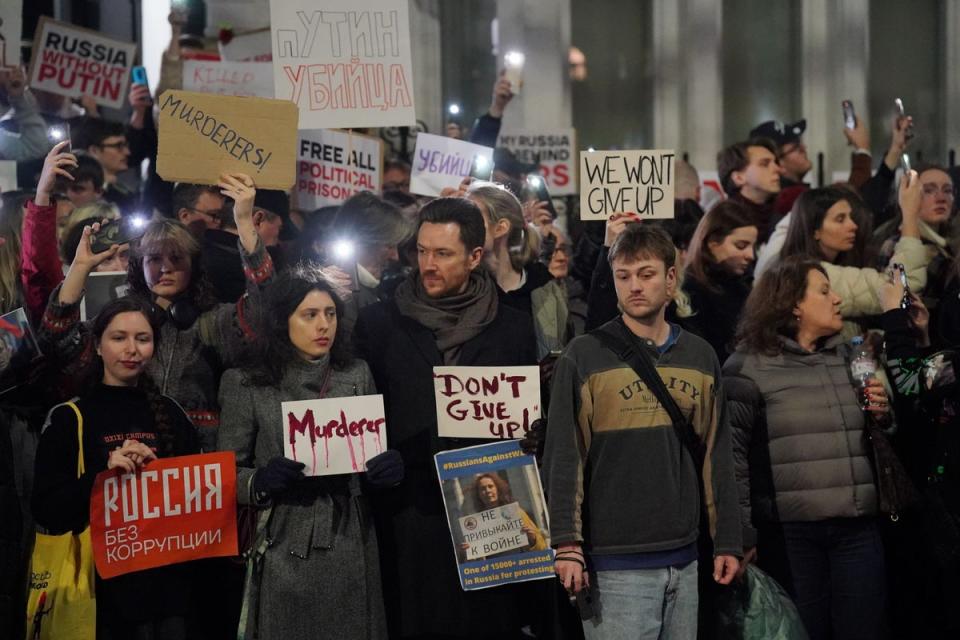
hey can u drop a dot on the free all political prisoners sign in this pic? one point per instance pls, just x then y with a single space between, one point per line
638 182
334 435
553 150
334 165
486 402
204 135
72 61
172 510
344 63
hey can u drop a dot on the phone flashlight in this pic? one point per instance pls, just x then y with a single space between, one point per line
453 109
481 168
513 69
543 195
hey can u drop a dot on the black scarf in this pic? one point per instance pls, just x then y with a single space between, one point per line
453 319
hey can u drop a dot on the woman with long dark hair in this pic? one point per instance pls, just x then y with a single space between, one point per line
717 260
829 225
806 484
320 575
126 422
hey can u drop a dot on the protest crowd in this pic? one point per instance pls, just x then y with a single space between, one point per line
262 378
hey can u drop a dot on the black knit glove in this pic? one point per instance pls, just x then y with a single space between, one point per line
278 476
532 443
385 470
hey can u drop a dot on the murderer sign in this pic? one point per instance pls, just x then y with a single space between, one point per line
203 135
171 510
334 435
555 152
334 165
73 62
486 402
638 182
344 63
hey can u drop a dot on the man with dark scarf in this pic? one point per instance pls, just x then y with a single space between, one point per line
447 313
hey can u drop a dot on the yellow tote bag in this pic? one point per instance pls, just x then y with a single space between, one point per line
61 603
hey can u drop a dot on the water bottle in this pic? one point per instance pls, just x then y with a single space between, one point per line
863 368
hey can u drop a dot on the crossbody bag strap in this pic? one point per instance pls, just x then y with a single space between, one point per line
646 370
81 467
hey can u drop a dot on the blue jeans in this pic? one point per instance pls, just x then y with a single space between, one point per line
644 604
838 577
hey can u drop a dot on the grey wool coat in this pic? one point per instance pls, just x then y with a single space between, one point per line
321 575
798 442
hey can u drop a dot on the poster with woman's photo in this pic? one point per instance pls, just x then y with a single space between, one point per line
497 515
18 349
102 288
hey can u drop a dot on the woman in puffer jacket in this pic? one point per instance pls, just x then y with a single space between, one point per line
807 493
832 225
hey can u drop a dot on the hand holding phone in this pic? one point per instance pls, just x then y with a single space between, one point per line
543 195
119 231
513 70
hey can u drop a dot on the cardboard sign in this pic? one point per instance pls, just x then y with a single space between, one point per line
11 26
203 135
440 162
493 531
18 349
253 46
504 543
334 435
345 63
334 165
553 150
73 62
102 287
486 402
229 78
171 510
638 182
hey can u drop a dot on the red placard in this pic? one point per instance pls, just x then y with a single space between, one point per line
170 511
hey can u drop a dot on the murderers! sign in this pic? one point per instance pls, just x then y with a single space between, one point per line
73 62
228 78
334 435
344 63
639 182
171 510
11 12
553 150
497 515
202 136
440 162
334 165
486 402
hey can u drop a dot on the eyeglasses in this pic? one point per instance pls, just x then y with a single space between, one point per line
932 190
115 145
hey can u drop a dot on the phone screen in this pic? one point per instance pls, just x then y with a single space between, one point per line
849 117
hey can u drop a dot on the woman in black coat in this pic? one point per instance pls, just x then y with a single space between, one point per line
717 261
126 423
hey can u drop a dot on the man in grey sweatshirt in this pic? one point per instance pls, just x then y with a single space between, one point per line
624 493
